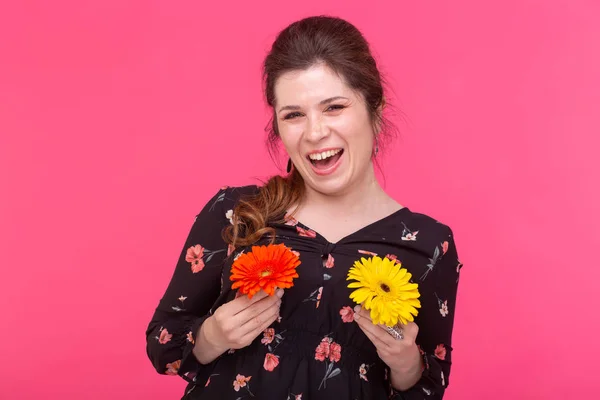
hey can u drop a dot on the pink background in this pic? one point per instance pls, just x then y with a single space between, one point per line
118 120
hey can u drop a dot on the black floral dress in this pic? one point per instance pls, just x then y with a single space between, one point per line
315 350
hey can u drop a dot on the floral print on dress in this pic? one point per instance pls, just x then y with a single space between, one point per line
173 368
440 352
408 235
208 380
362 371
190 337
293 396
272 340
444 308
268 336
190 375
432 262
178 308
306 232
315 296
271 362
319 297
229 216
164 336
347 314
367 253
392 257
329 352
443 305
219 198
195 255
444 247
329 262
242 381
238 255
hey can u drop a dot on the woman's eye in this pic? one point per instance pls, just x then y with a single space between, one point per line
334 107
292 115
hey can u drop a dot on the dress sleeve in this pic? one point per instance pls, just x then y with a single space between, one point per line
436 321
194 287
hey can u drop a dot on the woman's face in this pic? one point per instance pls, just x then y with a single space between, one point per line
325 129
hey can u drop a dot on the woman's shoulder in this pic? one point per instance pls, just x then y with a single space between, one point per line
229 196
415 223
429 235
240 191
233 194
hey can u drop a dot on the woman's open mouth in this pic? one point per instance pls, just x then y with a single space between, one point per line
325 162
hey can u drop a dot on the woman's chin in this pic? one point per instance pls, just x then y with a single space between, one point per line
333 186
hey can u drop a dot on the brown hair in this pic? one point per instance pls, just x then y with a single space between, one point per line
320 39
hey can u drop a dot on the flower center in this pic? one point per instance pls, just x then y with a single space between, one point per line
265 273
384 287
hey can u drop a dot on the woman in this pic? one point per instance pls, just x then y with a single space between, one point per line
310 341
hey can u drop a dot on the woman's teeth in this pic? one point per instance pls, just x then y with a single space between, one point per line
323 155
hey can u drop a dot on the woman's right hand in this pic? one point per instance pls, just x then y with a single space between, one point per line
236 324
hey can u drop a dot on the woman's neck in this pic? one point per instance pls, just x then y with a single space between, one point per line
363 197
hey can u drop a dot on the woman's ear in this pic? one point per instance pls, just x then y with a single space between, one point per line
379 116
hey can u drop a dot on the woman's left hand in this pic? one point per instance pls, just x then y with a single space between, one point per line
399 354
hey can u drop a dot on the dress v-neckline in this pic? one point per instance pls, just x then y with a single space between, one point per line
355 232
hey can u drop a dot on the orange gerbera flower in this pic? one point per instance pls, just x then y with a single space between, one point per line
265 267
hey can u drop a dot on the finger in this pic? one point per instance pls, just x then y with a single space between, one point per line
267 320
255 321
379 331
408 330
239 304
373 332
411 330
377 342
390 340
256 309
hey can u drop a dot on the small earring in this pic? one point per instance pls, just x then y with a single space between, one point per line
289 165
376 146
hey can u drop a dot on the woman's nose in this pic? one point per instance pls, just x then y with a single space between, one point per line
316 129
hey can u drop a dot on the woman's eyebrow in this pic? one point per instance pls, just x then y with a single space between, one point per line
322 102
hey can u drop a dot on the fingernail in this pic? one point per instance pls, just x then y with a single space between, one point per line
356 316
279 293
357 308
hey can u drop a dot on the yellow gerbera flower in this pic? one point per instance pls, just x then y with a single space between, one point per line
385 289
